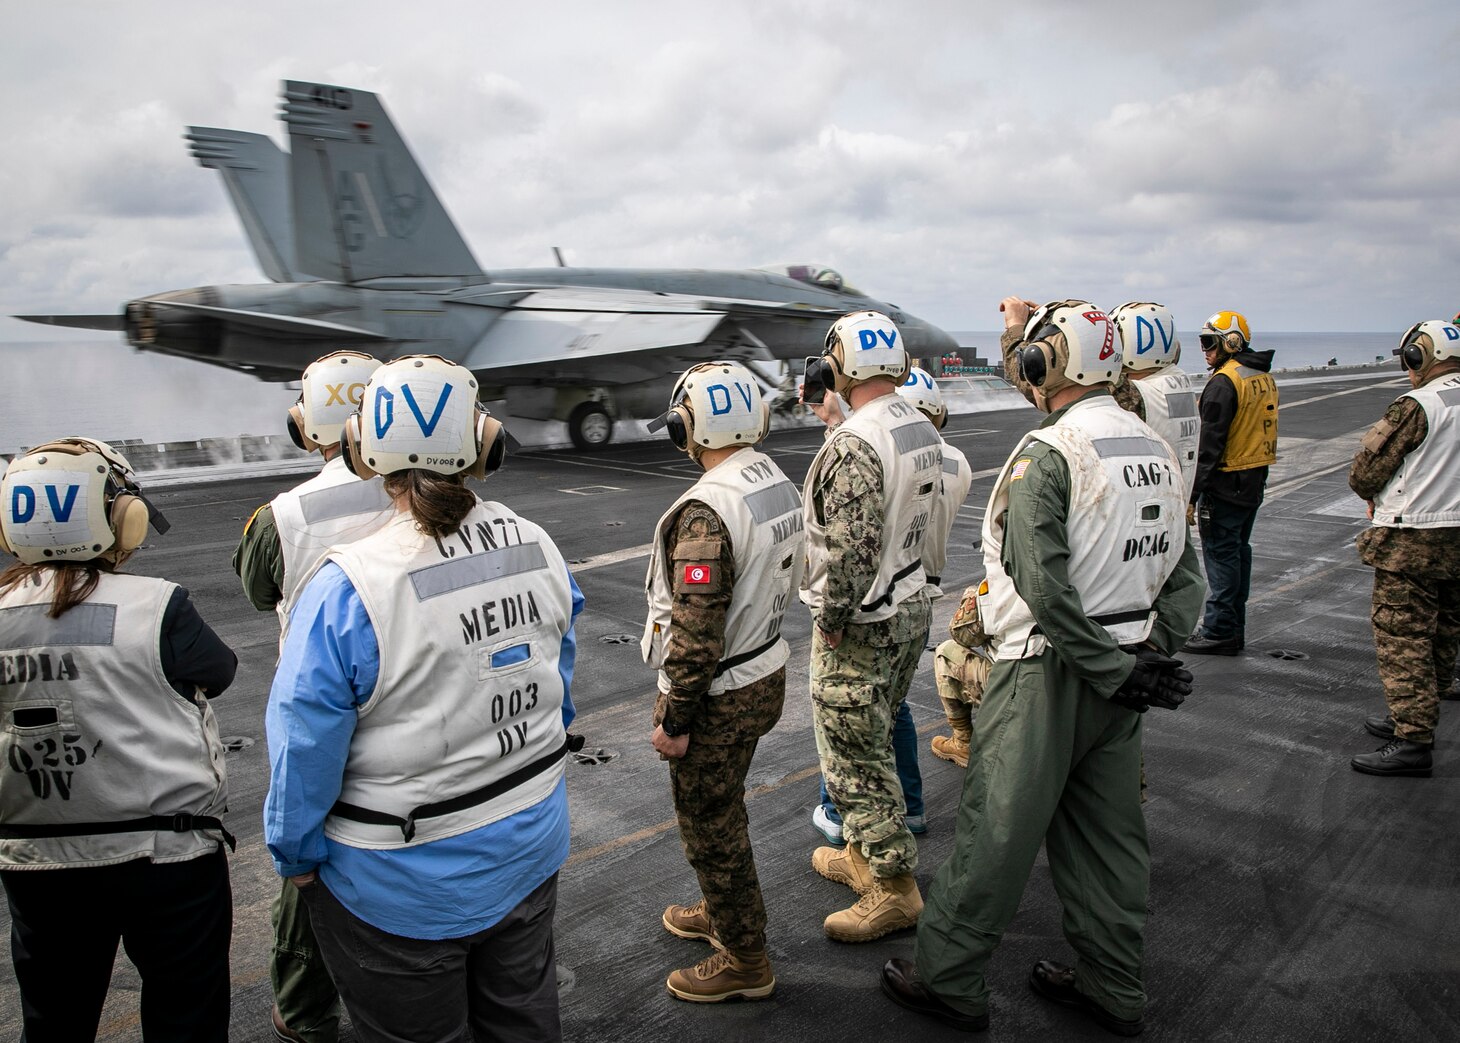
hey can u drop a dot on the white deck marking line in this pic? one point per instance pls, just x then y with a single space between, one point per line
642 472
1336 394
592 490
612 557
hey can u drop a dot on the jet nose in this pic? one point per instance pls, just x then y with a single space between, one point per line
927 340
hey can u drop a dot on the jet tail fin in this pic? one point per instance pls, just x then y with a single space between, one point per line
256 174
362 207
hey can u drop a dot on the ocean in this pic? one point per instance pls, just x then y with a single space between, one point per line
104 389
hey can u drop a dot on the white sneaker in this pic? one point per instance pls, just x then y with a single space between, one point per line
832 831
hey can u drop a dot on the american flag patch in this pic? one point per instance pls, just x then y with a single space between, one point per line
697 573
1020 466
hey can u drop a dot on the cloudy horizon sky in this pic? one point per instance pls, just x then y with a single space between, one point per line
1294 161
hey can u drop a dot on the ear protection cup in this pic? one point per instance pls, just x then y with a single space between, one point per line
942 419
491 445
350 448
679 422
295 424
4 544
128 518
1410 351
765 419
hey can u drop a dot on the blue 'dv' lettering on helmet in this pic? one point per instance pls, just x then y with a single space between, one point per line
1146 332
721 402
60 509
428 428
383 397
869 339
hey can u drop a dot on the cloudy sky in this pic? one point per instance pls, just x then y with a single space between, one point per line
1298 161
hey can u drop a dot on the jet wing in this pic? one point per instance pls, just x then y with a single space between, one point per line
111 323
565 327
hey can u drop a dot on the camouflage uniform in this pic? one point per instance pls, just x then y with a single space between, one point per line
857 686
708 782
1416 604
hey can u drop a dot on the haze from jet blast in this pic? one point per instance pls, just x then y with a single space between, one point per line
1294 161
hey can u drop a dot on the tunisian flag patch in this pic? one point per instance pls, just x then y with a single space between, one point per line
697 573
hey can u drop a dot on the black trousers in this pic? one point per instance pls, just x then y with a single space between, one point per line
175 919
496 986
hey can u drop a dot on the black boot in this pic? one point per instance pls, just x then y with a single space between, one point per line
1200 644
1380 725
1396 757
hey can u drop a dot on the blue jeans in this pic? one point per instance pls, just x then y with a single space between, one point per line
905 747
1226 553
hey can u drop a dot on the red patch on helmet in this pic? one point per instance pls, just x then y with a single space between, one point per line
697 573
1095 315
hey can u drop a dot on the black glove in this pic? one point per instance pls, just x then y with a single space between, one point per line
575 742
1156 681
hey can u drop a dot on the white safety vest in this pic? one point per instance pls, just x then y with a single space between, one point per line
95 735
957 478
911 454
1171 412
464 726
330 510
1425 492
1126 533
761 510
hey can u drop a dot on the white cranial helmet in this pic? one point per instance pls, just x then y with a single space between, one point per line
75 499
861 345
921 390
716 405
331 391
421 412
1068 342
1147 335
1425 343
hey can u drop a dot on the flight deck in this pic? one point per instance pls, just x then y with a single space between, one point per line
1291 898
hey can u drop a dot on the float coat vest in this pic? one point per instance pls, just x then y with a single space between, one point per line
1126 530
910 451
761 510
1171 412
95 736
331 509
464 726
1252 438
1425 492
957 478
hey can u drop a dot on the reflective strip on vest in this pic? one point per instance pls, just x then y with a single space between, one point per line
86 624
447 577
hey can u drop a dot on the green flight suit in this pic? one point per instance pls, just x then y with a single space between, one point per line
1053 760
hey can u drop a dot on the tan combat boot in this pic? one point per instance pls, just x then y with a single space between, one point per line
954 749
690 921
846 865
892 904
723 975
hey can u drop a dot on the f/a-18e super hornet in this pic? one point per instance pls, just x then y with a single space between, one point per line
362 254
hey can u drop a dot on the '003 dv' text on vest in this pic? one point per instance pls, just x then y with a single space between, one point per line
493 741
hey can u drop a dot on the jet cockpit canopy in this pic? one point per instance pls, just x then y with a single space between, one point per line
818 275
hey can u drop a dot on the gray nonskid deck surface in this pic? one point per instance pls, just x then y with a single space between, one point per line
1291 898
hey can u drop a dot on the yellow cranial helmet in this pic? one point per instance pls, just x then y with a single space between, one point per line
1227 330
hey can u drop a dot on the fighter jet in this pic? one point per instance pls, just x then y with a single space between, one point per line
363 254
